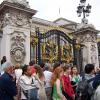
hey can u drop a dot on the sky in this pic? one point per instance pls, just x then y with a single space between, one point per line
49 10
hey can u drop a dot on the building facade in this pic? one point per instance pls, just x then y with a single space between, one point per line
24 37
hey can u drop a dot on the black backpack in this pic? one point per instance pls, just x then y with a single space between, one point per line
84 89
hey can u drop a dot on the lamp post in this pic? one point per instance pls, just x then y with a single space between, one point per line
83 9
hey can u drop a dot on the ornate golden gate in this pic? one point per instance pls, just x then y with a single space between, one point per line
52 46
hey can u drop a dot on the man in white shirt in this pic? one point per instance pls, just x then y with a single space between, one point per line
27 84
48 76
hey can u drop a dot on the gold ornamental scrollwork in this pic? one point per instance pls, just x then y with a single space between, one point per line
66 52
33 40
49 51
77 46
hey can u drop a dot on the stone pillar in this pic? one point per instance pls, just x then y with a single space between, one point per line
0 48
87 37
16 26
5 43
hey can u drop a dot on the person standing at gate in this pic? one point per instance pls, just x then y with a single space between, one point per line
18 72
2 64
75 77
66 84
29 90
48 74
8 89
57 84
41 82
3 60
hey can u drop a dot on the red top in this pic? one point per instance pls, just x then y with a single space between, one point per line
67 87
33 70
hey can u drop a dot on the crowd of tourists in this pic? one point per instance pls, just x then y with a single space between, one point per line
48 82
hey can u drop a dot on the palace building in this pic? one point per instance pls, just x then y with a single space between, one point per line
24 37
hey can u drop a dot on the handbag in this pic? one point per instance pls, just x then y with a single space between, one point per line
31 94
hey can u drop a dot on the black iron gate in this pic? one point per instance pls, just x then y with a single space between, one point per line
55 45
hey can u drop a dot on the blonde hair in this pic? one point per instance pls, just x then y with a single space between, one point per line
17 66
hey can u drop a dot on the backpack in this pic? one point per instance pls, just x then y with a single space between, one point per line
84 89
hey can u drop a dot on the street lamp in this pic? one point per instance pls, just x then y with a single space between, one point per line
83 9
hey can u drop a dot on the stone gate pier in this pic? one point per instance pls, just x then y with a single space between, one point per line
86 35
15 26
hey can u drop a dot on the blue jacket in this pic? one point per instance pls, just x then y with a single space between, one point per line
7 87
96 82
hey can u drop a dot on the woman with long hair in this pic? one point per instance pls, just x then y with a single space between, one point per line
66 83
41 82
56 84
75 77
